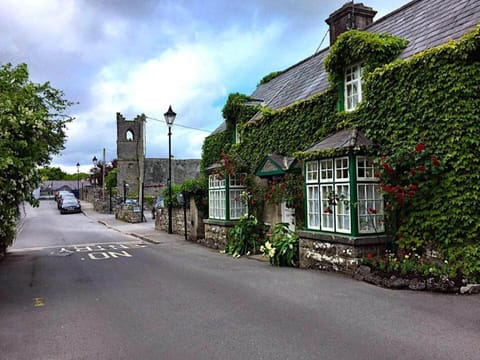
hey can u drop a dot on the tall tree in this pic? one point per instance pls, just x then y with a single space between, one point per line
32 128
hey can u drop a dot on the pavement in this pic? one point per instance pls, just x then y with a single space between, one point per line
144 230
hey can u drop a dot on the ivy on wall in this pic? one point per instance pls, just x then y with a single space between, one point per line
372 50
430 98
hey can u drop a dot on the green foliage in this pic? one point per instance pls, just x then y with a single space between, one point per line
431 97
234 112
245 238
111 179
52 173
198 188
269 77
371 49
176 189
282 246
32 129
288 130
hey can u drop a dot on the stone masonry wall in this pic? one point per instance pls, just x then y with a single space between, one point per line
337 254
216 234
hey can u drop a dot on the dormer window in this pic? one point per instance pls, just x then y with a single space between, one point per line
353 87
237 134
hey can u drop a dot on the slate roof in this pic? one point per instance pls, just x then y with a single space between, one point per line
424 23
283 161
343 139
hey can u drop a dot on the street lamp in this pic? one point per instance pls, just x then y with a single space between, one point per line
125 190
94 160
78 179
169 119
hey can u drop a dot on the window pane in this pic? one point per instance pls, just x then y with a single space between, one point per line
370 208
312 171
341 167
313 205
326 170
343 208
327 207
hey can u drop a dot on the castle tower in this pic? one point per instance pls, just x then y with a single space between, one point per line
130 153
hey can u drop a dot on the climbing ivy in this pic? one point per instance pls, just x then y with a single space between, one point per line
371 49
430 98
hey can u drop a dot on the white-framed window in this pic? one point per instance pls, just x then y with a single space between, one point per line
237 134
313 207
342 208
238 205
327 208
220 195
326 170
341 169
328 195
365 169
353 86
370 208
312 171
216 197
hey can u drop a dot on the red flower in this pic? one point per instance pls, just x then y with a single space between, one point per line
422 168
369 255
327 210
413 172
376 174
414 187
435 161
419 147
372 210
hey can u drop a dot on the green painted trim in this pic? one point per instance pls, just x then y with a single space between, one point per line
268 173
341 96
305 226
353 195
227 198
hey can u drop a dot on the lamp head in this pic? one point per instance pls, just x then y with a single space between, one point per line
170 116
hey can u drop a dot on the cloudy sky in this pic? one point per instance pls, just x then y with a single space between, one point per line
140 56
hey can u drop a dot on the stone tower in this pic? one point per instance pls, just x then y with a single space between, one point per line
130 153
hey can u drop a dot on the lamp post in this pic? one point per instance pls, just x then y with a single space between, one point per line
169 119
78 179
95 160
125 189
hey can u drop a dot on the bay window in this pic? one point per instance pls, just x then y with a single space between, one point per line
225 201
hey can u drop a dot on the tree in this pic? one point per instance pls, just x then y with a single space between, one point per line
32 129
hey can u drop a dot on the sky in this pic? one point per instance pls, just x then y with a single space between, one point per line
140 56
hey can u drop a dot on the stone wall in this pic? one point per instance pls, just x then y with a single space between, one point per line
216 232
195 226
128 213
337 253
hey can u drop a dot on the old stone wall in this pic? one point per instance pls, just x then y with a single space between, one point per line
336 253
128 213
216 233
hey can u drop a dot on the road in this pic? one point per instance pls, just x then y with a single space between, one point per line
73 289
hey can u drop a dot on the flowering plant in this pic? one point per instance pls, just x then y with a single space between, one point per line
282 247
288 188
245 238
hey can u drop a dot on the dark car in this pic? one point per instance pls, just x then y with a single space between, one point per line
70 205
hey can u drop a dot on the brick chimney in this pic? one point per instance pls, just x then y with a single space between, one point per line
349 16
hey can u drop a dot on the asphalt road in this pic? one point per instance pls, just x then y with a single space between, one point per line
72 289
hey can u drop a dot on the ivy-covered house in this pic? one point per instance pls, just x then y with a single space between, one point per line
384 127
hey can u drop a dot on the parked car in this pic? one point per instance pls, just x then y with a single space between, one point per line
131 202
63 196
70 205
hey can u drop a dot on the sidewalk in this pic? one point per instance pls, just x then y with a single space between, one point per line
144 231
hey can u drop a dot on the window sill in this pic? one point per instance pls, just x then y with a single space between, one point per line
343 239
220 222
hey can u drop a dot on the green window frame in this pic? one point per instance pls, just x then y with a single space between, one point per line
225 201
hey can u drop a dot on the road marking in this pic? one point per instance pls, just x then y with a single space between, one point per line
131 244
37 302
108 255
